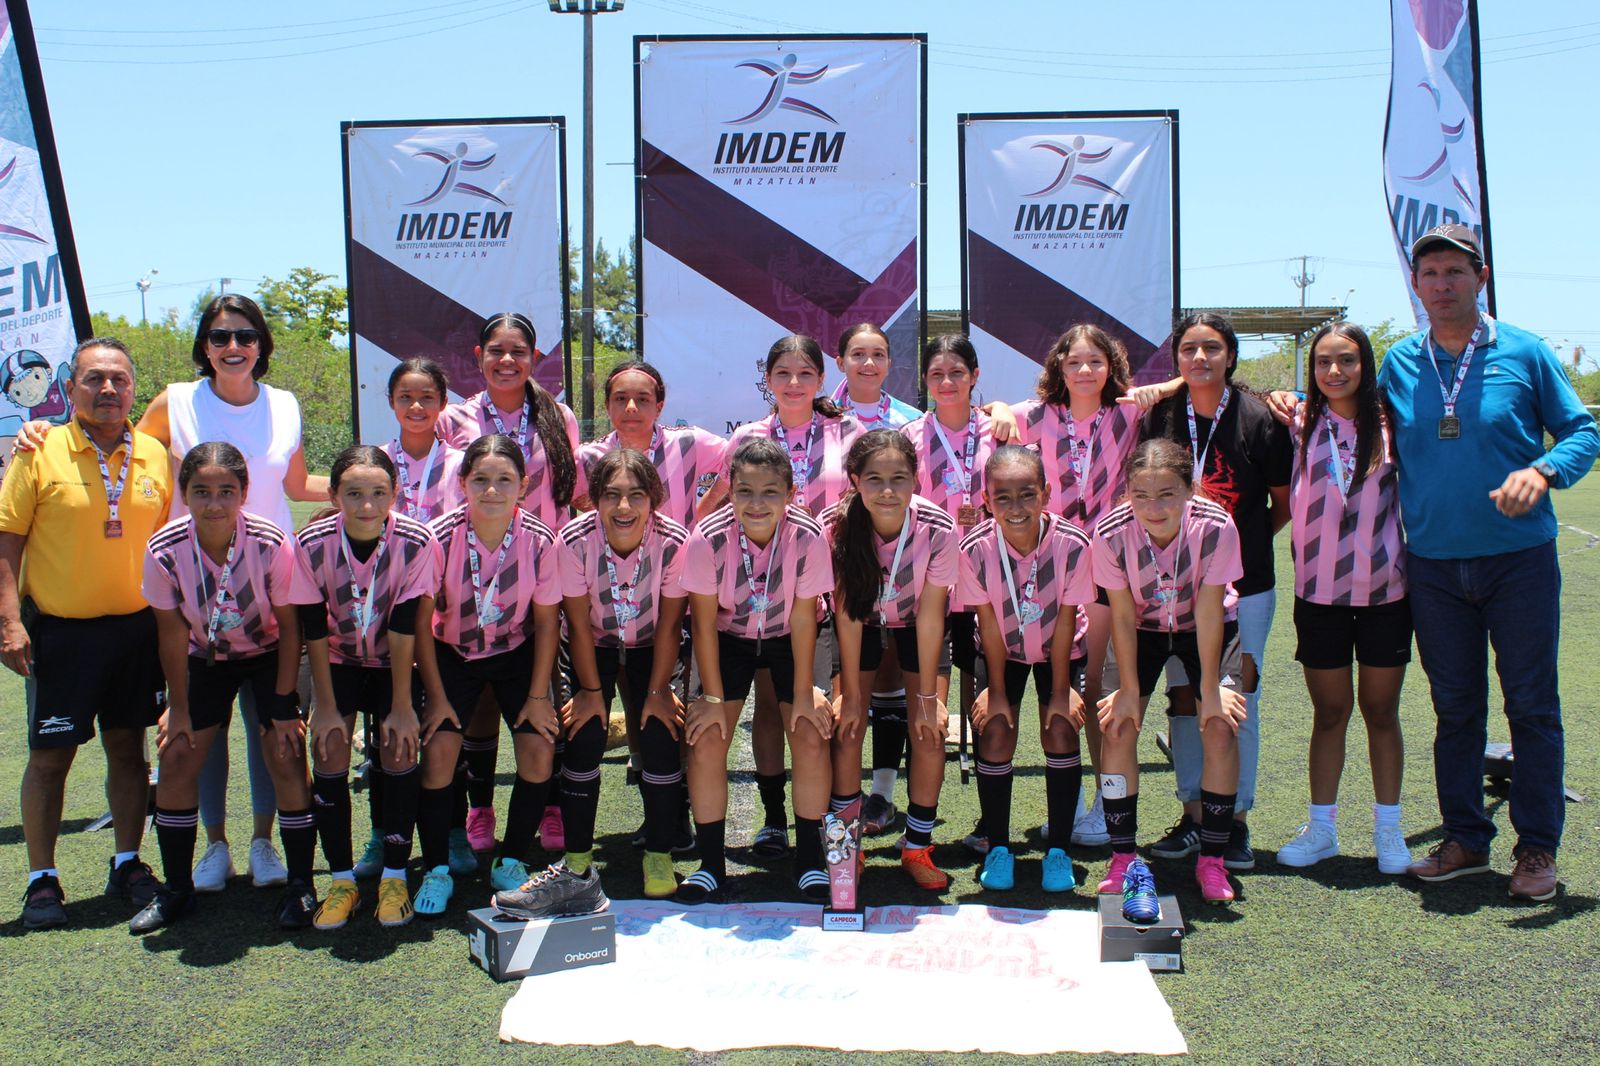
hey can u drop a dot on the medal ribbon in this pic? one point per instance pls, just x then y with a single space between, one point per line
223 580
480 596
1200 454
633 583
1168 597
966 459
363 612
1343 470
888 590
750 576
413 495
840 396
521 436
1461 369
114 491
1011 583
1080 468
783 439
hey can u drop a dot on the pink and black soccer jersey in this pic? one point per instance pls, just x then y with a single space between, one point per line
179 576
1346 553
795 564
1166 581
1056 573
819 479
940 468
359 595
928 560
462 423
508 584
424 489
650 573
1099 444
688 458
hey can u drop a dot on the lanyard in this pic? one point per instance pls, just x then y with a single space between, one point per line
966 458
1027 608
521 436
759 601
489 612
801 465
890 591
1200 453
1167 585
629 610
360 613
1461 370
1081 467
1343 470
216 617
862 413
113 526
413 496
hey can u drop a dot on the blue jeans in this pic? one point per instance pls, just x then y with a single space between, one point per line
214 774
1459 608
1188 758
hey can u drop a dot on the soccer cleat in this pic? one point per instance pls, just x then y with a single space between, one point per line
463 860
167 907
215 868
507 874
394 903
1238 855
878 815
1313 842
977 841
660 882
266 868
552 833
1181 839
342 901
44 904
480 828
370 864
299 907
999 872
1089 827
1394 856
1212 877
918 865
554 892
699 887
434 894
772 842
1057 872
1140 904
133 881
1111 884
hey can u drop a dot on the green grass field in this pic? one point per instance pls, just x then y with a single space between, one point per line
1335 964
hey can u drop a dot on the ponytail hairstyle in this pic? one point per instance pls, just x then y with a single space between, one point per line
812 351
1370 413
362 455
493 444
955 344
1052 384
627 461
1013 455
1159 453
426 367
855 548
857 330
644 368
214 453
758 453
547 418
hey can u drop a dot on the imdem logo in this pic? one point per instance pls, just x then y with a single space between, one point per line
1065 215
816 147
455 225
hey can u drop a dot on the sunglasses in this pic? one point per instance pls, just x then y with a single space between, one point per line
246 338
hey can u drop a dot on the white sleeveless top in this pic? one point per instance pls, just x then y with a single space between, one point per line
266 430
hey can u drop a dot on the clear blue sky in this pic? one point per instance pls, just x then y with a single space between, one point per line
207 152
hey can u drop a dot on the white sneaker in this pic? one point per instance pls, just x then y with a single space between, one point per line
1393 854
1089 827
266 869
215 867
1312 843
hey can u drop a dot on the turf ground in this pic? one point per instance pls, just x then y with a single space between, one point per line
1334 964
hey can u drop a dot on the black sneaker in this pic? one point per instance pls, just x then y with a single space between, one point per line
1182 839
553 892
682 843
299 906
44 904
133 881
1238 855
167 907
878 815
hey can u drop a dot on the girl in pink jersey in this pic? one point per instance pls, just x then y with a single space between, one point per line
1350 588
427 470
894 554
1026 571
219 581
496 625
754 572
364 582
1165 558
515 405
621 582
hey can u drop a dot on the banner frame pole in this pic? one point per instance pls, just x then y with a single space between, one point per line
1483 163
560 123
346 131
962 119
922 219
638 197
1177 230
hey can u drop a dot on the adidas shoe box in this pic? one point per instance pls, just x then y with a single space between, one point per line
509 948
1158 946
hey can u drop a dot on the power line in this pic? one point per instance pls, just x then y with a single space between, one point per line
234 31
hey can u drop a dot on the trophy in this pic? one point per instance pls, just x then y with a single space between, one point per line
841 847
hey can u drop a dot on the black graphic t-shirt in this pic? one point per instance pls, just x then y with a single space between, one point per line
1249 453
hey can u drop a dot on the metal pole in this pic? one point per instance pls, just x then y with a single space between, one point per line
587 311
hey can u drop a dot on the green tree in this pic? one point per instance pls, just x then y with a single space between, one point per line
305 302
616 298
1275 368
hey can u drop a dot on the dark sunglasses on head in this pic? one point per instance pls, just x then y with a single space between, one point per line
246 338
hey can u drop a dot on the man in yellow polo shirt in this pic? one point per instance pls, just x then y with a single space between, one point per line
74 519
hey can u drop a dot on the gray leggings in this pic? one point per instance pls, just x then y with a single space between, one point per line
214 774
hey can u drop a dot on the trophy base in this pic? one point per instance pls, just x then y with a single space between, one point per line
850 921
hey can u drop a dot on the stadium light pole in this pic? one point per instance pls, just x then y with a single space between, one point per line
143 285
588 9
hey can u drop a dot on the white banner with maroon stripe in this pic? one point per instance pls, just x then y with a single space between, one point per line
447 224
1069 218
780 191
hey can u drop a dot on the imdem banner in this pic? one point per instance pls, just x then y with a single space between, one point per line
1067 218
446 224
1433 169
42 306
780 191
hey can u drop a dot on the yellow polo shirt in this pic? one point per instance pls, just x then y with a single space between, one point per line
56 498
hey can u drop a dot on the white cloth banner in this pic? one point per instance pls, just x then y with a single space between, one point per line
448 224
1069 219
1431 170
780 191
919 979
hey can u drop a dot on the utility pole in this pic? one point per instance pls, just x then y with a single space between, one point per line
1303 280
143 285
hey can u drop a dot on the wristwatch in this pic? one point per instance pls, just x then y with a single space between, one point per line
1546 470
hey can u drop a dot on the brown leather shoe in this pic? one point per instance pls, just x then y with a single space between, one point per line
1535 875
1447 860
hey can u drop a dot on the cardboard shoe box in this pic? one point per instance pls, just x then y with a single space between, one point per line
509 948
1158 946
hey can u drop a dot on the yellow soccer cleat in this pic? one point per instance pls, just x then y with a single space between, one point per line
660 882
394 903
342 901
